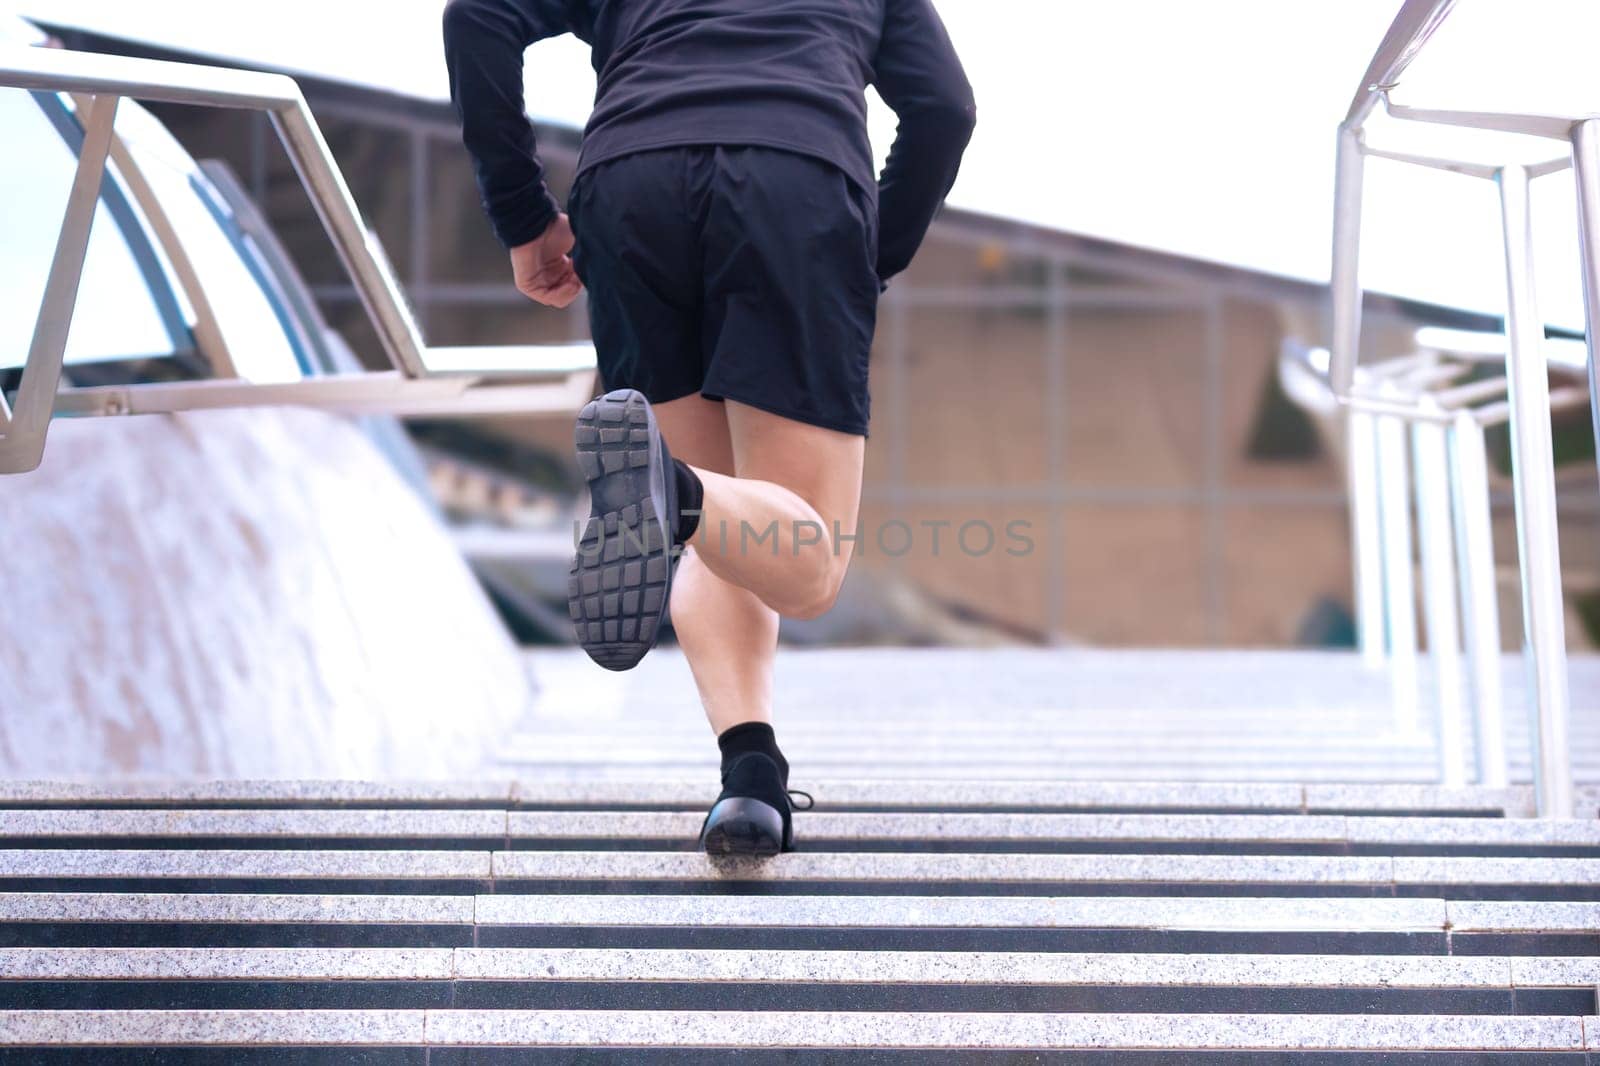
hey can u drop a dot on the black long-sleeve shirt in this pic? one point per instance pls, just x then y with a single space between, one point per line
782 73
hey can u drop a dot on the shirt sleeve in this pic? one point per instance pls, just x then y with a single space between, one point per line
483 45
919 76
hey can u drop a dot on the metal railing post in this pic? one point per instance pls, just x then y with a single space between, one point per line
1366 535
370 272
1394 512
1480 604
1586 172
1435 544
1533 462
22 447
1344 349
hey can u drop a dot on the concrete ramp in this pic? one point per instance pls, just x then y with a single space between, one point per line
239 593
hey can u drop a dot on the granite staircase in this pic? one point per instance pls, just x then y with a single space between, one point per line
922 922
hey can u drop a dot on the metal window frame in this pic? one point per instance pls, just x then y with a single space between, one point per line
1528 404
100 82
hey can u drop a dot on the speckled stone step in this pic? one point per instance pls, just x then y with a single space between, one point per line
1031 922
234 908
949 916
1204 912
106 919
803 1029
1157 912
1534 877
262 793
224 864
466 828
1424 767
830 967
486 827
594 792
1581 877
555 978
1185 924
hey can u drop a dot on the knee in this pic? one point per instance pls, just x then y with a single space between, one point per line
818 598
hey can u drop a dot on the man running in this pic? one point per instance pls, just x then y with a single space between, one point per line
734 239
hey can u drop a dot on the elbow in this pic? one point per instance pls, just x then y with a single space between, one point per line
463 18
950 119
958 110
963 117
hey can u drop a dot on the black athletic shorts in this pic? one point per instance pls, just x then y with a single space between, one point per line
740 273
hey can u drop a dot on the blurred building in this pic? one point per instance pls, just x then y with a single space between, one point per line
1073 440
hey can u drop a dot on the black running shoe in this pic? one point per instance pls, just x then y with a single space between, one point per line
752 815
621 576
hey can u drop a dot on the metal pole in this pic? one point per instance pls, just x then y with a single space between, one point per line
22 447
1586 171
1366 534
1398 579
1344 349
1479 596
363 258
1534 488
1434 540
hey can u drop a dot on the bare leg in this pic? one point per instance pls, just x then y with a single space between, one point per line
775 529
728 635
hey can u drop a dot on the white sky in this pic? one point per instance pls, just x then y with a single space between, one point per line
1200 128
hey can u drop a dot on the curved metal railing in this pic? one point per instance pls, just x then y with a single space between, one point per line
1528 400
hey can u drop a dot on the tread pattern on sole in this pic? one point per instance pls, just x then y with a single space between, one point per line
617 588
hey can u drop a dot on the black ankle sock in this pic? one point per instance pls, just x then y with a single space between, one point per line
752 736
690 495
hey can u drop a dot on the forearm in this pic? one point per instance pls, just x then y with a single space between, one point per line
483 43
920 171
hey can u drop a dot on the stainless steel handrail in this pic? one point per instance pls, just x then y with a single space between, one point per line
1529 402
91 74
102 81
1412 26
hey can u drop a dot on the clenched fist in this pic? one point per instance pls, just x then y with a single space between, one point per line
543 267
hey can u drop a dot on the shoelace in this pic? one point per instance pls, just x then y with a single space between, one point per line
810 800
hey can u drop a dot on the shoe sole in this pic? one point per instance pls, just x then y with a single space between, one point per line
740 825
620 579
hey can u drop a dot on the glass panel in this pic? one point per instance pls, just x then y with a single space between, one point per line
517 321
376 163
1136 396
1136 576
249 321
974 566
118 314
462 247
1288 573
974 411
1268 440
